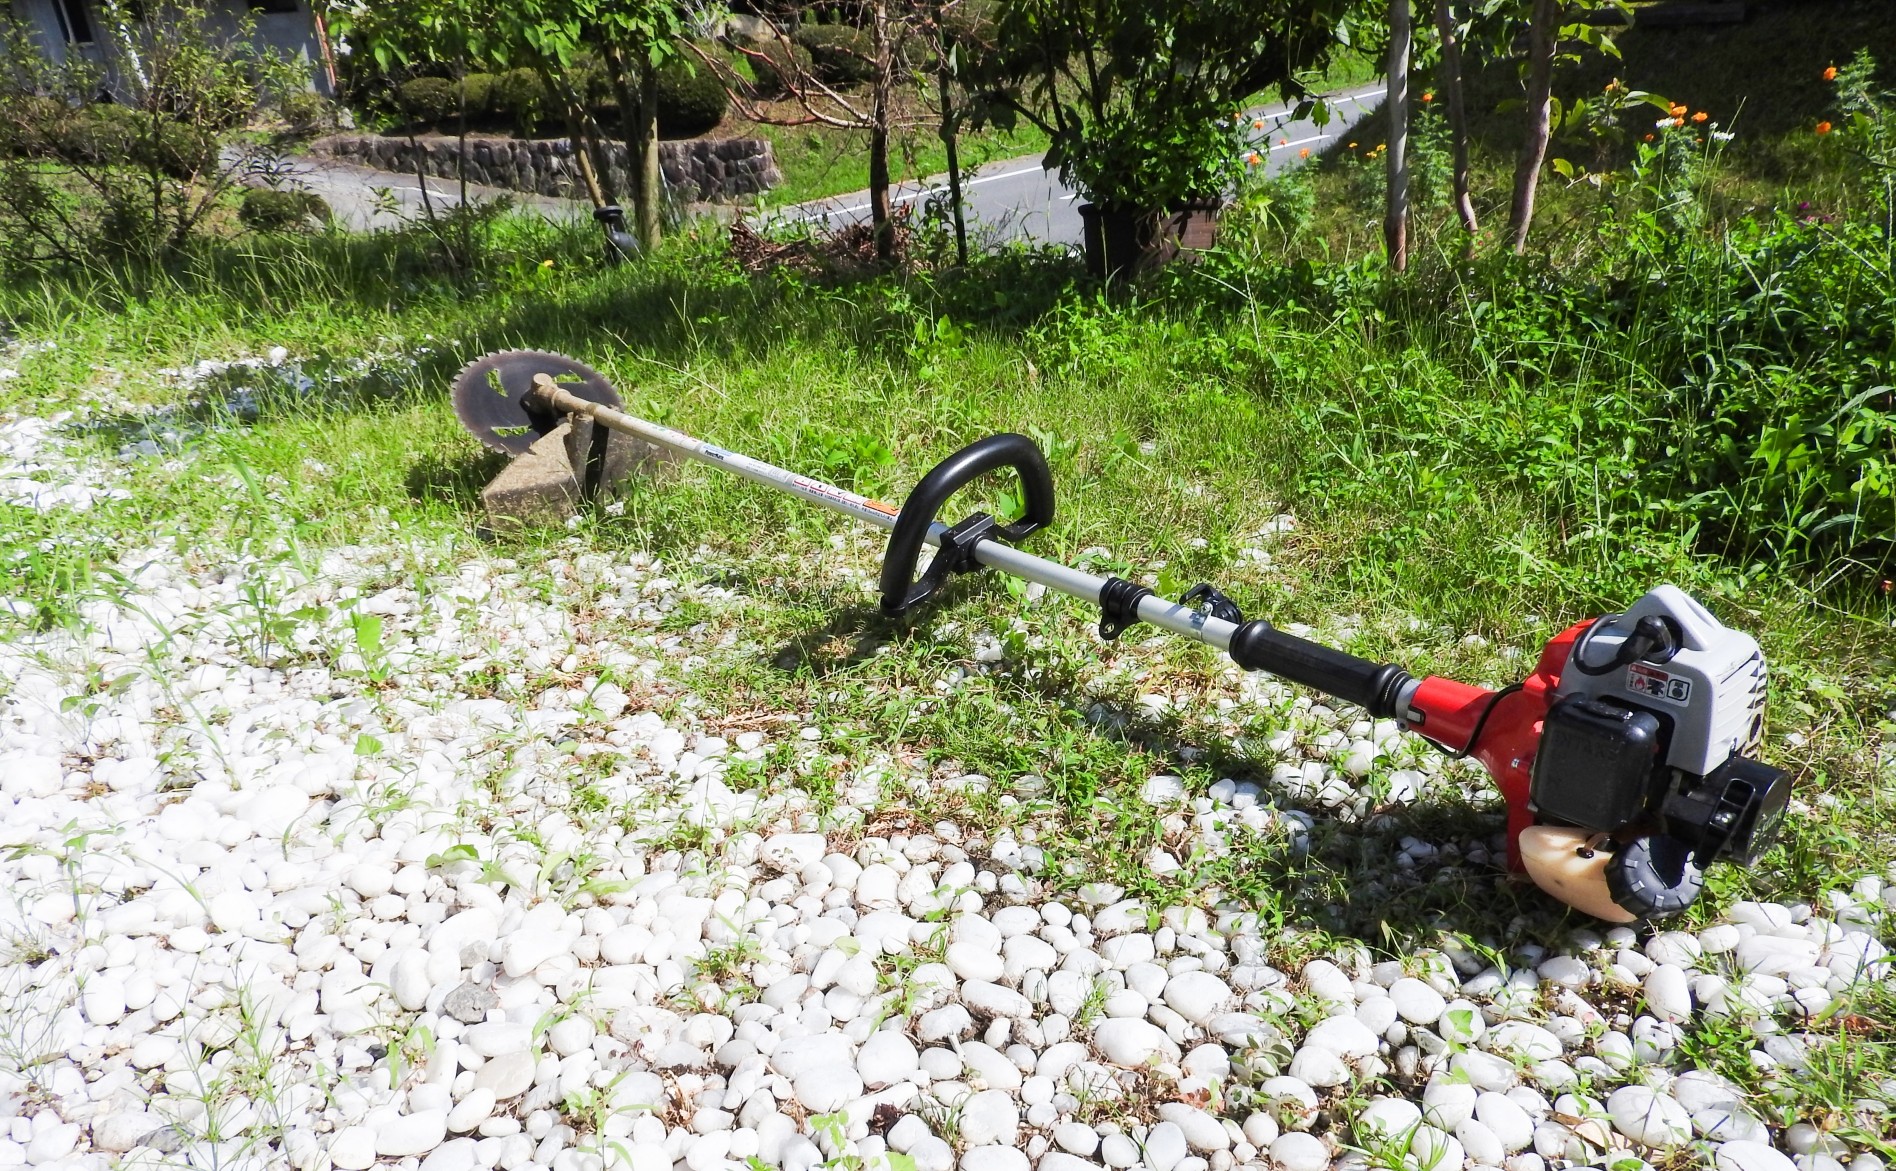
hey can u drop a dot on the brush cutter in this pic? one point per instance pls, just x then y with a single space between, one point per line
1626 757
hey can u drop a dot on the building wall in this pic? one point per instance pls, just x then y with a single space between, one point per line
287 26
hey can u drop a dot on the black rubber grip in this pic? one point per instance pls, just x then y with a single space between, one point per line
1259 646
900 590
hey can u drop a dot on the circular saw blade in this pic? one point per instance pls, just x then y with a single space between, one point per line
491 396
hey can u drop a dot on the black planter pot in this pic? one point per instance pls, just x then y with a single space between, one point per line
1124 242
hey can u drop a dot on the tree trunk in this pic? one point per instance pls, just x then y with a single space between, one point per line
579 135
572 106
1542 34
951 135
1396 154
638 117
648 182
1451 87
880 212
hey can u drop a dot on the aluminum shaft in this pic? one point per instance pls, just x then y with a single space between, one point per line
1074 583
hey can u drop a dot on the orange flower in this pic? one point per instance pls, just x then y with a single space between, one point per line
1251 158
1823 128
1427 98
1304 153
1677 111
1649 138
1283 142
1257 123
1830 74
1700 116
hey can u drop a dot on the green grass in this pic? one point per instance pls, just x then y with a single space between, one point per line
1761 80
821 161
1178 420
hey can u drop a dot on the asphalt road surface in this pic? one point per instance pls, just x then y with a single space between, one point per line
1015 199
364 199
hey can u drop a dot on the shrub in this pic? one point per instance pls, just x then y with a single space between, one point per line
32 122
691 100
777 66
841 55
520 96
93 134
175 149
429 100
266 210
307 113
478 92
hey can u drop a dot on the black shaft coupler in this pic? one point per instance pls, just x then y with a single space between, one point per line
1259 646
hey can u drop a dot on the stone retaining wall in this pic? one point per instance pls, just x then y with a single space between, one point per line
700 169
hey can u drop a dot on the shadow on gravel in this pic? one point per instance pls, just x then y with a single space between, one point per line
853 636
223 395
454 479
1405 875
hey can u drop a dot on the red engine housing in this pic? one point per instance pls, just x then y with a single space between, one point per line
1508 727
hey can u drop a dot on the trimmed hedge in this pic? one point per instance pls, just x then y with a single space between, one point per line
691 100
842 55
521 96
264 210
478 90
433 100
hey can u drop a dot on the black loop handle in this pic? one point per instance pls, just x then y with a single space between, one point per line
900 590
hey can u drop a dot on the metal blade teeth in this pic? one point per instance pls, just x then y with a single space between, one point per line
490 395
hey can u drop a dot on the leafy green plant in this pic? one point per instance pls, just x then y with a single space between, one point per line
691 100
1136 129
431 101
267 210
840 53
139 178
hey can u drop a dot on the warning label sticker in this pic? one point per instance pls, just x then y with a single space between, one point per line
1653 683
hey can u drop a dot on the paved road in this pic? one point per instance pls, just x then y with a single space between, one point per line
1014 199
1018 200
354 195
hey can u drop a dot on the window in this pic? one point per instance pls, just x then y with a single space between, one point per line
74 22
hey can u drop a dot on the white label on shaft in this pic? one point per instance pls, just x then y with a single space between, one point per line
1653 683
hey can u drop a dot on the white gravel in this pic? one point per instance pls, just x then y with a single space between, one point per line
484 890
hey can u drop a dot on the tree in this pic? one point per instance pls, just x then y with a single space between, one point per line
635 38
1449 81
893 26
1396 155
947 51
1543 37
1137 96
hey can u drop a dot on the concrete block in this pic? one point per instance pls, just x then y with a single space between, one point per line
536 488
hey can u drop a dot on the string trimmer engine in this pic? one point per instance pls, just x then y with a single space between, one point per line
1625 758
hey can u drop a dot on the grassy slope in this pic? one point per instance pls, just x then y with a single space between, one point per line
1761 80
819 161
1178 424
1177 427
